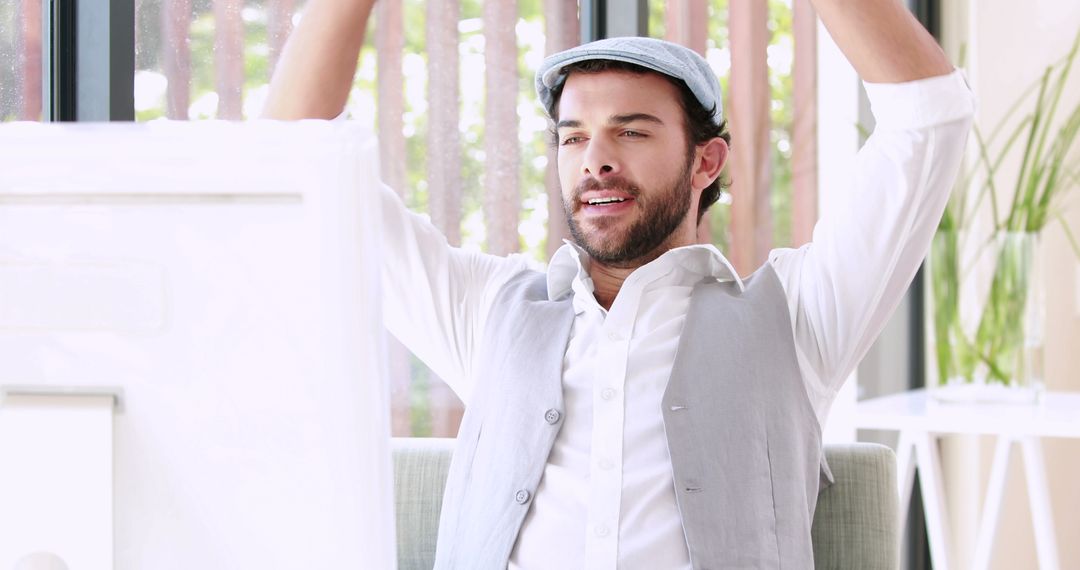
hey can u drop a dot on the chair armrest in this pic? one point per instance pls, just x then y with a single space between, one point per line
420 468
856 523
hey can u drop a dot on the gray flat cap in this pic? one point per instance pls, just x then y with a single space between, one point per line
665 57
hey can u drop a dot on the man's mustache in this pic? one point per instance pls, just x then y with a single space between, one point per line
618 183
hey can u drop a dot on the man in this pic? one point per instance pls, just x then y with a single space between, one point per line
640 405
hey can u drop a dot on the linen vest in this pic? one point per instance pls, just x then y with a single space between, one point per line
745 443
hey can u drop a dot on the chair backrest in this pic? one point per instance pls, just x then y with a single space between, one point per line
855 525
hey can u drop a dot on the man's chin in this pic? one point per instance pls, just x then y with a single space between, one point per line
604 225
606 251
604 239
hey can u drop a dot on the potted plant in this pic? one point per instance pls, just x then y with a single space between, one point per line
986 300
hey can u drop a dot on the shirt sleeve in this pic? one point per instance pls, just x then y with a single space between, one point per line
843 286
436 298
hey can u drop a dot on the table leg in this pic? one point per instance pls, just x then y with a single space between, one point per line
931 485
1042 518
991 513
905 472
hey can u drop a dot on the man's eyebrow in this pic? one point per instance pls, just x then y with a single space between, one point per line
617 120
633 118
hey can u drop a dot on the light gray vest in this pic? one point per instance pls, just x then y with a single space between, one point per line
744 441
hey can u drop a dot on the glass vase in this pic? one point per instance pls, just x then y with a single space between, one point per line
986 318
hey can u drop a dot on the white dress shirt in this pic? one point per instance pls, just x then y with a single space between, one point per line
607 497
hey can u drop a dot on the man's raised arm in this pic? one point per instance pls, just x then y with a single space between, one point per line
882 40
846 283
314 74
436 298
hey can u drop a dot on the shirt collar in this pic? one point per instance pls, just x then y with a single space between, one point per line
571 263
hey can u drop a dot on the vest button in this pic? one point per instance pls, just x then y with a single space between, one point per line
522 497
552 416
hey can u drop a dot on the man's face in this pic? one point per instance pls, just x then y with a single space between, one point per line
624 167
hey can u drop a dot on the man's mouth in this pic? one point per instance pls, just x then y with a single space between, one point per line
603 201
606 203
616 196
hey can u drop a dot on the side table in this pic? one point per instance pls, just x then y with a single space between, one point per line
921 421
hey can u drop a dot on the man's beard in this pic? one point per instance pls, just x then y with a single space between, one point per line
662 213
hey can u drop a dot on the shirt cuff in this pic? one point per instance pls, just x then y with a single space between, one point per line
921 103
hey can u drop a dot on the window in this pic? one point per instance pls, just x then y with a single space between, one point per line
448 87
207 59
769 102
20 60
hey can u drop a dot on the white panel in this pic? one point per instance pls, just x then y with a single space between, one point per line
234 300
56 482
83 295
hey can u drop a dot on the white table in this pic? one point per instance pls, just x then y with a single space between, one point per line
921 421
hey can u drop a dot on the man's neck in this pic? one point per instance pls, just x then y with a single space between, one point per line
607 281
608 278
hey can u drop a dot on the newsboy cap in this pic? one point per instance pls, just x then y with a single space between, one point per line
664 57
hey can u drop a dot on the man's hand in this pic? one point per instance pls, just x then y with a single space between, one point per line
316 70
882 40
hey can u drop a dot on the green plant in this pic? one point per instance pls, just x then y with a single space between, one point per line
1046 174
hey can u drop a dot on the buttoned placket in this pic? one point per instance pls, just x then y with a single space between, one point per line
611 334
609 409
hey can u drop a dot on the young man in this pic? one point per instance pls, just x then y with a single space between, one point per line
640 405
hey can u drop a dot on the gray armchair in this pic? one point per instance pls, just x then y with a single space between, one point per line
855 525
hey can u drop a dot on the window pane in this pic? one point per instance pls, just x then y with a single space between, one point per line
20 60
708 31
207 59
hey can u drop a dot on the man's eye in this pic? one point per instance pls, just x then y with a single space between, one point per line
570 140
633 134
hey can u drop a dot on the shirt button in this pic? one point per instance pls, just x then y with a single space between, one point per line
602 530
614 335
552 416
605 464
607 393
522 497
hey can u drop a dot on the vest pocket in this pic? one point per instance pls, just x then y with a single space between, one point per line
724 485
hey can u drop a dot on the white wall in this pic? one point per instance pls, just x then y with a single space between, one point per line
1008 45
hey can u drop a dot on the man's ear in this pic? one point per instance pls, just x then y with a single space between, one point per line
711 158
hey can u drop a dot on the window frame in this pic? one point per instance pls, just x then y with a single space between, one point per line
89 52
88 60
602 19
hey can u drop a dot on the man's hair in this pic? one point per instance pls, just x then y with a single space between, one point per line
698 120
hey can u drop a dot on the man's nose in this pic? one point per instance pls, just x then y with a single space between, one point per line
600 159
